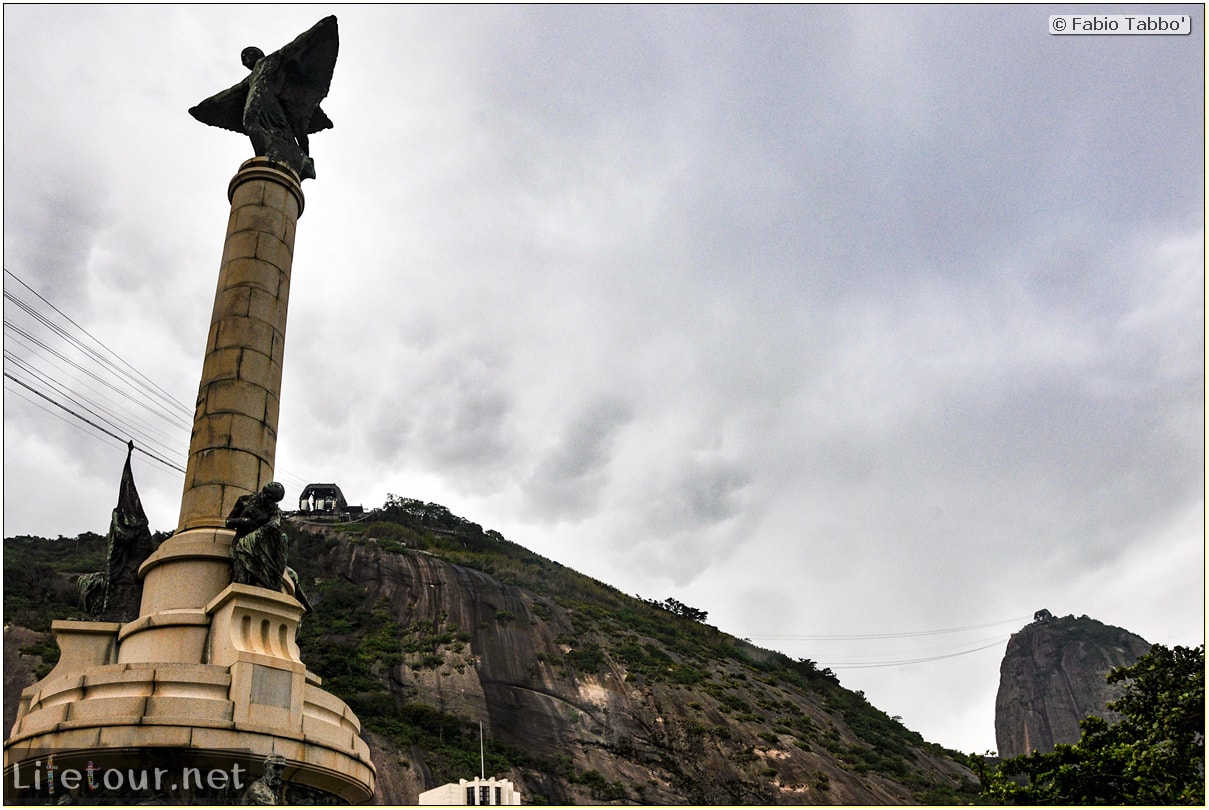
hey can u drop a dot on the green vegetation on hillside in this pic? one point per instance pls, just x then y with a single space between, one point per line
666 642
683 645
39 577
39 586
352 640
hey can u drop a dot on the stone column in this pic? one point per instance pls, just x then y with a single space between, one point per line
234 438
234 442
210 671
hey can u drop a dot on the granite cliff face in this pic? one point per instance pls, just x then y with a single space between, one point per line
1053 675
600 710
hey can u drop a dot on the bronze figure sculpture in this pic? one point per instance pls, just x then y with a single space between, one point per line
267 790
258 552
277 104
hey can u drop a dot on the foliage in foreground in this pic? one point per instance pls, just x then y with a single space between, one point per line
1154 755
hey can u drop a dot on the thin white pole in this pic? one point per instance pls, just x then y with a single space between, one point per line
482 759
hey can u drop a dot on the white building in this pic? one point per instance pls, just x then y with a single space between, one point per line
473 792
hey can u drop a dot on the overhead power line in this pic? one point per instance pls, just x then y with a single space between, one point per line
68 366
135 374
117 419
92 424
72 373
20 393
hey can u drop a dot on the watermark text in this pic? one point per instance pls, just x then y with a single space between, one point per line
1120 24
45 777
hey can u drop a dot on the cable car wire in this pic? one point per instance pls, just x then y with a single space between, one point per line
863 636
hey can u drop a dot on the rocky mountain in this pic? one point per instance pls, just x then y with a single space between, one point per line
1053 675
429 626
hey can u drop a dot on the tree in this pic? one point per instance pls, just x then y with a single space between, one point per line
675 606
1154 755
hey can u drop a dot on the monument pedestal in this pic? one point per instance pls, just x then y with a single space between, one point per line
247 697
208 677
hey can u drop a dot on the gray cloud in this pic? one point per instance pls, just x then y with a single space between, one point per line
700 495
892 316
567 481
54 233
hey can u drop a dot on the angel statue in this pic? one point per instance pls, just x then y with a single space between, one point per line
277 104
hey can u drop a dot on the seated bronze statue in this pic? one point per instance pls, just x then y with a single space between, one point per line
258 552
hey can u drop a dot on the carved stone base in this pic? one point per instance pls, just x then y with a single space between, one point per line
247 694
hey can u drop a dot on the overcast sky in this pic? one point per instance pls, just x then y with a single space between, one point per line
831 321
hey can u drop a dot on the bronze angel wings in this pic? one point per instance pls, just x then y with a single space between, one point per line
277 103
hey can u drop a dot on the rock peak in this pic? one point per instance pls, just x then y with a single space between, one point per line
1053 675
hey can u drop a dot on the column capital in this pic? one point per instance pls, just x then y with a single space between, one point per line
261 168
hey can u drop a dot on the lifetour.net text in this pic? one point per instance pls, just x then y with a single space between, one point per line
93 779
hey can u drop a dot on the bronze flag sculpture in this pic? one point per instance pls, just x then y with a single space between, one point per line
113 595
